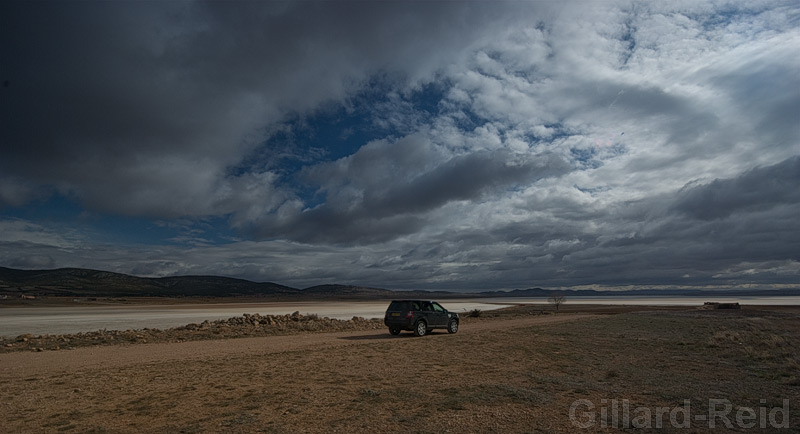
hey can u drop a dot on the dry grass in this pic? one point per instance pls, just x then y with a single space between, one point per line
511 381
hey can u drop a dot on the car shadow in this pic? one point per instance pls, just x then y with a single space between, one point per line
382 336
375 337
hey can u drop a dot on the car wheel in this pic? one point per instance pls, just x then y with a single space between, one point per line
452 327
394 331
420 329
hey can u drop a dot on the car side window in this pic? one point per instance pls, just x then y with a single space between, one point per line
426 307
437 307
415 306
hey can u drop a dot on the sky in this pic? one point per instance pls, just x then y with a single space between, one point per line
453 145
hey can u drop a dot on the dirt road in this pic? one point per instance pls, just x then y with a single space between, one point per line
24 364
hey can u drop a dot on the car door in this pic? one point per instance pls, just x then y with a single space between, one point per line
429 314
440 314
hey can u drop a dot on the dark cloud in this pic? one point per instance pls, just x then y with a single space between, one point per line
759 189
137 96
494 156
463 178
699 231
370 205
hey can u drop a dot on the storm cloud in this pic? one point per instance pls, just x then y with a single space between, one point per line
455 145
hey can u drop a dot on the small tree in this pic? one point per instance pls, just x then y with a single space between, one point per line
557 299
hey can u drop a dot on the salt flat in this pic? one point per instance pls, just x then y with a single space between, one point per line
15 321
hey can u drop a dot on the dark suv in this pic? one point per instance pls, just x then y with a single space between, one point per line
419 316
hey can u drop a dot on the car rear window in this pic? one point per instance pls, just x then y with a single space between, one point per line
397 306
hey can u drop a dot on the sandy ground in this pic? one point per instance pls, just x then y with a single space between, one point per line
502 375
163 387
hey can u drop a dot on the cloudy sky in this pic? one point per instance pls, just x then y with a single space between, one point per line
431 145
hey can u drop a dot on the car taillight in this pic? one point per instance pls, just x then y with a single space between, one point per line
410 314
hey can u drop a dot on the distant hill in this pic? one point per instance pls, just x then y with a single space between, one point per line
539 292
80 282
214 286
346 291
360 292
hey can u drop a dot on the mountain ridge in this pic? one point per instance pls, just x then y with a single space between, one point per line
84 282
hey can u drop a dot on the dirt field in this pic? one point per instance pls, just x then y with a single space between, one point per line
505 374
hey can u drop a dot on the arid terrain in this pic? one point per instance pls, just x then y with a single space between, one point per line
509 371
